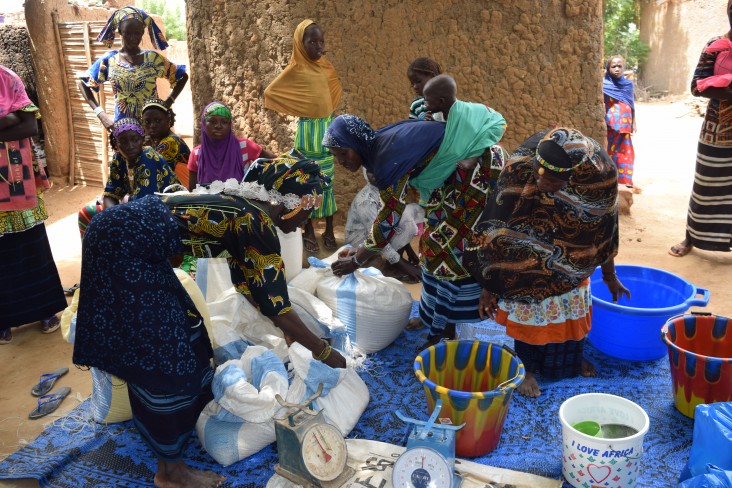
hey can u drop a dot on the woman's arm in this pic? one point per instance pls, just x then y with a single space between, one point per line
617 290
297 331
86 93
267 154
180 84
26 126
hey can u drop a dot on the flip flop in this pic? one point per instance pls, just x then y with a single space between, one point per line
47 381
310 244
6 336
70 290
679 251
50 325
49 403
329 242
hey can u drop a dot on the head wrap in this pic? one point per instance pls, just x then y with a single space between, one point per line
295 183
306 88
155 103
216 108
218 160
109 31
126 124
620 89
530 245
390 152
471 129
562 150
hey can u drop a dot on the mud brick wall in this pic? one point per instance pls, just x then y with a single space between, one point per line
538 62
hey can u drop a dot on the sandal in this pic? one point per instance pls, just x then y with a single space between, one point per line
70 290
49 403
6 336
47 381
310 244
414 324
50 325
329 242
679 250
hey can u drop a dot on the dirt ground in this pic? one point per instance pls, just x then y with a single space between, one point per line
665 153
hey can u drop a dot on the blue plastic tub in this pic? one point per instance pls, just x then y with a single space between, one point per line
631 329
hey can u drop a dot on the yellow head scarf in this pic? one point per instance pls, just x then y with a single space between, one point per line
306 88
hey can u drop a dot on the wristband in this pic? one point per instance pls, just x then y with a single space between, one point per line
355 261
98 110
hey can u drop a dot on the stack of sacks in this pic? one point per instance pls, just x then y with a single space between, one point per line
239 421
374 309
109 400
344 397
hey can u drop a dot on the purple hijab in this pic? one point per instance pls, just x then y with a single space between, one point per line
218 160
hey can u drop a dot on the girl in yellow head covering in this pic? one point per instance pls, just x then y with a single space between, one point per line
308 88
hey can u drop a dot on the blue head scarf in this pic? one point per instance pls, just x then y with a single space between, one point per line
390 152
110 30
620 89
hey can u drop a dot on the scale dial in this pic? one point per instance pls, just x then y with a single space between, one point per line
421 467
324 452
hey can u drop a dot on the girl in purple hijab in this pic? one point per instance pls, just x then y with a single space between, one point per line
221 155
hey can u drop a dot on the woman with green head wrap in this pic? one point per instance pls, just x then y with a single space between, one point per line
221 154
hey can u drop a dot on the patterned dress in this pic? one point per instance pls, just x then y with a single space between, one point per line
709 220
619 120
239 230
131 85
176 152
308 141
151 173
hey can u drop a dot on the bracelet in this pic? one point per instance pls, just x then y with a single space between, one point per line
355 261
97 110
325 353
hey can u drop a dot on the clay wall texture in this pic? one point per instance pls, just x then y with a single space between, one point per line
538 62
677 31
15 54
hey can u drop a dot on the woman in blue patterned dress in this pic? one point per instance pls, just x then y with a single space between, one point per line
133 72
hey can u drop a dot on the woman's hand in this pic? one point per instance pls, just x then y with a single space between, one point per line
106 120
487 305
616 288
344 266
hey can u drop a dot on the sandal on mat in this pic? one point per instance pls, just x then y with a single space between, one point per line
49 403
47 381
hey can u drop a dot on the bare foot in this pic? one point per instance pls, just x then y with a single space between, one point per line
415 324
529 387
178 474
431 341
587 368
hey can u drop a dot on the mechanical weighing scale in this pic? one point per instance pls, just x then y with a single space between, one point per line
312 452
429 461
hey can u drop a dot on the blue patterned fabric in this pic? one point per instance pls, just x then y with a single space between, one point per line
77 454
135 319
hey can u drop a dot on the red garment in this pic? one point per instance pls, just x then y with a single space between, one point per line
18 180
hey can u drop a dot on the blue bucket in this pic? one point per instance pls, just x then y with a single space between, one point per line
631 329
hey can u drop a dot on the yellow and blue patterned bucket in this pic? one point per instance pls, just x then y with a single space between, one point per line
475 381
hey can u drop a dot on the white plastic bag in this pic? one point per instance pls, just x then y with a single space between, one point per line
344 397
239 421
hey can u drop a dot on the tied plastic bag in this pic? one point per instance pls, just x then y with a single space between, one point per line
712 441
375 309
714 478
239 421
344 397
